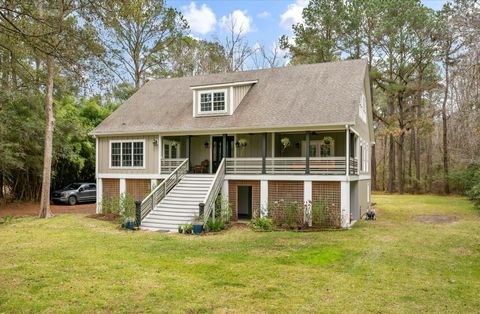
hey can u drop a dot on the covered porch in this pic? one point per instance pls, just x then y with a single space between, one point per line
272 153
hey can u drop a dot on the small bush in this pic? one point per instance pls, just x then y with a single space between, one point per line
262 224
6 220
127 207
319 214
215 225
111 205
186 229
474 195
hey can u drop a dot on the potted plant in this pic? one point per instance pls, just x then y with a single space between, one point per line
129 223
197 225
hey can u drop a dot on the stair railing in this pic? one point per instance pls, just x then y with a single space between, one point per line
152 199
208 206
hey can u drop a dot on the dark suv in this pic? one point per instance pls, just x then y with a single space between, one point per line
76 193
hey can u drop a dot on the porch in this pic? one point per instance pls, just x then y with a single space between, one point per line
274 153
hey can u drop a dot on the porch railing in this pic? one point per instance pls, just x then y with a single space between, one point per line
152 199
353 166
169 165
287 165
209 202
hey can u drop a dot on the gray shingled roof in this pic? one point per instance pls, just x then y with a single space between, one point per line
293 96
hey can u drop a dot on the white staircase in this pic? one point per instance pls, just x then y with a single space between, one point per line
180 205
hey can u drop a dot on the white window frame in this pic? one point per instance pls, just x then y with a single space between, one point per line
362 111
121 155
211 92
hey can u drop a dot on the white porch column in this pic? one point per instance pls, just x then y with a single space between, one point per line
99 196
307 191
263 198
153 184
160 154
347 152
307 202
345 204
123 187
224 194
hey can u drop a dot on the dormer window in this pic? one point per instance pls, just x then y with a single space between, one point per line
213 101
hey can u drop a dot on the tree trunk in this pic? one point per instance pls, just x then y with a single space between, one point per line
45 211
391 165
373 168
411 157
416 185
444 124
1 184
401 175
428 183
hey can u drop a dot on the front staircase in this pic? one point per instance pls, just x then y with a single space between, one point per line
180 205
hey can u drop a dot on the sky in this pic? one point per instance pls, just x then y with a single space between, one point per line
263 21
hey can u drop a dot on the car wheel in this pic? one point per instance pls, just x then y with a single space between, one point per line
72 200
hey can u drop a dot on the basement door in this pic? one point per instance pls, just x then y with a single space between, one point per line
244 202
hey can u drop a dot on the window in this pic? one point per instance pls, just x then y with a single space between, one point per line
127 154
212 102
363 109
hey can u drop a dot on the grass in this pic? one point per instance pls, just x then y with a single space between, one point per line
71 263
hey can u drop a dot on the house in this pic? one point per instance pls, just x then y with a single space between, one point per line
300 133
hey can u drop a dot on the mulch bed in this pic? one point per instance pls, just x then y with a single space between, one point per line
19 209
105 217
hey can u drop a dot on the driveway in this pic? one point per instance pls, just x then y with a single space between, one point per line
31 209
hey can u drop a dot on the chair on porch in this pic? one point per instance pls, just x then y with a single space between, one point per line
202 167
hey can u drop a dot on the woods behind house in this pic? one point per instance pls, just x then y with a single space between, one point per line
79 60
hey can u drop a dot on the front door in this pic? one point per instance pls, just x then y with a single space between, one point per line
217 150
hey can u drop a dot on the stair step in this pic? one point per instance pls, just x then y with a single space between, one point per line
192 213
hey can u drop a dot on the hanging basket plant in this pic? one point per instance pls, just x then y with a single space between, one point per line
327 140
174 143
242 143
285 143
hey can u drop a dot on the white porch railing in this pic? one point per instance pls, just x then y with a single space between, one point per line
149 203
169 165
327 165
209 202
287 165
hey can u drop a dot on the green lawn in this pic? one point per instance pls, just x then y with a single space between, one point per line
394 265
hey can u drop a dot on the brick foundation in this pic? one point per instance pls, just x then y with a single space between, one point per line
285 202
327 194
111 188
233 196
138 188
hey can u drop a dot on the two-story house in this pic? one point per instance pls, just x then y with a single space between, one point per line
256 137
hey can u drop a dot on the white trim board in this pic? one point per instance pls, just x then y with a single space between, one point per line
277 177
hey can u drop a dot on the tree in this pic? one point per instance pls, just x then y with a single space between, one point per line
52 31
137 35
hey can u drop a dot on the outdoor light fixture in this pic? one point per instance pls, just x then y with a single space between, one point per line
155 142
206 145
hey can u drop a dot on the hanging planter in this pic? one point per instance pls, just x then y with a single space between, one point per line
285 143
242 143
327 140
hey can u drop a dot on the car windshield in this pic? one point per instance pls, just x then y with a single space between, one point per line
73 186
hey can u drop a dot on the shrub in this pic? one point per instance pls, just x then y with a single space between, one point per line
6 220
215 225
474 195
127 207
187 229
111 205
319 213
293 215
262 224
